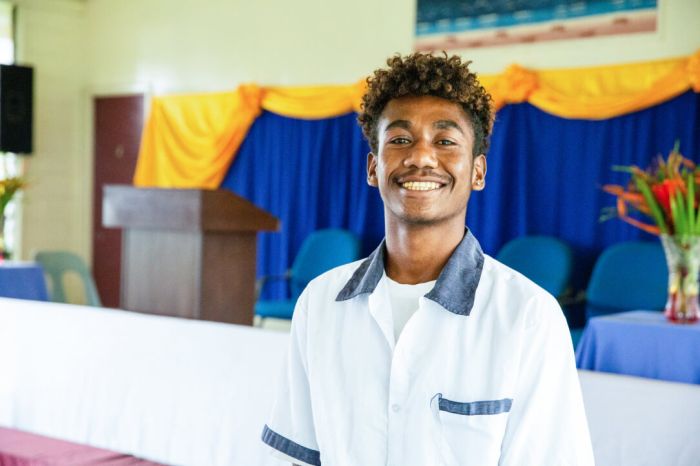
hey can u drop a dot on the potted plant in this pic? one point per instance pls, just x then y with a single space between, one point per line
8 189
666 196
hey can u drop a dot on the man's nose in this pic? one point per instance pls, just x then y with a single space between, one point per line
421 155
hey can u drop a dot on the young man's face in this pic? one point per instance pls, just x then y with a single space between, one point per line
424 167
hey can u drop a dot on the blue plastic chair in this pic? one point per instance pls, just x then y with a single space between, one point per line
545 260
320 252
628 276
58 263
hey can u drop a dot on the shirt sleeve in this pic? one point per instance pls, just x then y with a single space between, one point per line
547 424
290 431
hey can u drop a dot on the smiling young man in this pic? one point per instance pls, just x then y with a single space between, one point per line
428 352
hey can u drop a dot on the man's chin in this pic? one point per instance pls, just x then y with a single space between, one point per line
421 219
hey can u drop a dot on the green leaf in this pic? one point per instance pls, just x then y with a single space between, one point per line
631 169
678 214
656 213
691 205
607 213
622 168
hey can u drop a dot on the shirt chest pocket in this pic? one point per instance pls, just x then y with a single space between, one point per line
470 432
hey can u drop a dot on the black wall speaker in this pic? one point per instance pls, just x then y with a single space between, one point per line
16 103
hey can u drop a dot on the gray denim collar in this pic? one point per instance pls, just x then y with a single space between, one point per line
455 287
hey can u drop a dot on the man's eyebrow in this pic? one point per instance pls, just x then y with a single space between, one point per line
445 124
405 124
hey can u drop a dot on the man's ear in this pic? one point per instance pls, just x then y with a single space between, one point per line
479 172
372 170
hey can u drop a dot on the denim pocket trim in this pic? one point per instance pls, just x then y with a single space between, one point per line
290 448
475 408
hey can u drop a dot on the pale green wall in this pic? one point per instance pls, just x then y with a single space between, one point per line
189 45
51 37
186 45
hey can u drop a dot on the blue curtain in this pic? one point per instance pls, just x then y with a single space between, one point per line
545 173
544 177
311 174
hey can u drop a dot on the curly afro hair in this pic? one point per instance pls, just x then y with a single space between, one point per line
421 74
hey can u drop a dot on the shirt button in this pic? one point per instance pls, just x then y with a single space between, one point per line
395 408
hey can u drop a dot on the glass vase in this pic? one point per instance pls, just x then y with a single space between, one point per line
683 260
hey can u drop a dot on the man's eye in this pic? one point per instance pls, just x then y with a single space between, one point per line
400 140
445 142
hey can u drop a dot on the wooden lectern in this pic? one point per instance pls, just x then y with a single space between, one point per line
187 252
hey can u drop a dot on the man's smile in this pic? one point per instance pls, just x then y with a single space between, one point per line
420 185
422 182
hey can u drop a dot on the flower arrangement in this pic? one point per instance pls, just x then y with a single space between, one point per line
8 188
667 194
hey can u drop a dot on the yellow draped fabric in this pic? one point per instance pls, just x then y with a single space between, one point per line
190 140
314 102
596 93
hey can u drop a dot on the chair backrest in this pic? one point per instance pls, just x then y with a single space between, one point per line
320 252
627 276
545 260
56 264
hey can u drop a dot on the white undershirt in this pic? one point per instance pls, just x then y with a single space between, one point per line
404 301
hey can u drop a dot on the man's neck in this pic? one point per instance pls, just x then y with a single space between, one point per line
417 254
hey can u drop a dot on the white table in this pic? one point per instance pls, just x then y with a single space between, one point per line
191 392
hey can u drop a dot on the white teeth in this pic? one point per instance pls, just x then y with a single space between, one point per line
420 185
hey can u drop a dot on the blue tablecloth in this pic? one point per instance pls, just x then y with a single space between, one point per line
641 343
22 280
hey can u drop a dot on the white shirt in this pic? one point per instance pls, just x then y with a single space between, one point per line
483 373
404 301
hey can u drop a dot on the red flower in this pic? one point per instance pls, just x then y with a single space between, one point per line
664 190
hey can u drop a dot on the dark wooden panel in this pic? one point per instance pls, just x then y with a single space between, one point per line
228 279
118 123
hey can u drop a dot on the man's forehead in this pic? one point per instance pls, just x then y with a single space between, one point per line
437 124
441 113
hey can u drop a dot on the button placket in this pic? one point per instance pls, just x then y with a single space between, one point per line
399 383
405 371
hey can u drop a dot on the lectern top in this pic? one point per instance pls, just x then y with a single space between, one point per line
182 209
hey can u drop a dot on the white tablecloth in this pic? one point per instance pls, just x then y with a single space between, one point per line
197 393
642 422
177 391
